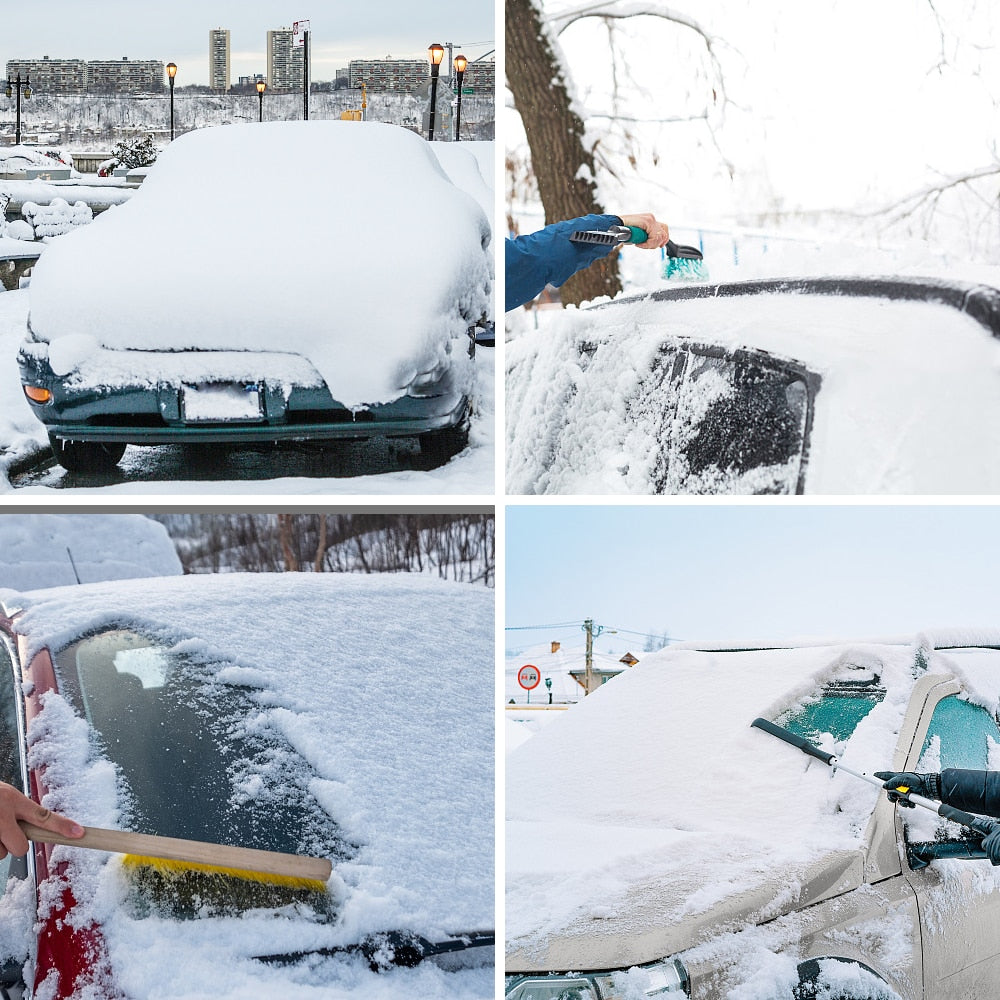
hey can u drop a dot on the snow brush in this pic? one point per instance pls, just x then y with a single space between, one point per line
202 871
979 825
680 263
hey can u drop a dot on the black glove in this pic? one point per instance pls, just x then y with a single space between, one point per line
927 785
991 845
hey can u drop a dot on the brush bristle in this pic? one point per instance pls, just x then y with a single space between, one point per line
168 868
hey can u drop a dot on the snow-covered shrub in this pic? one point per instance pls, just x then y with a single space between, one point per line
57 217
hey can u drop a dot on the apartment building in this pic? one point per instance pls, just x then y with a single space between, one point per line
284 61
218 59
405 76
51 76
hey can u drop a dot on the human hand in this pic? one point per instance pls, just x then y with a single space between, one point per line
657 232
927 785
13 807
991 845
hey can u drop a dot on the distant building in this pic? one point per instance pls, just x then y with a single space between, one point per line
481 76
284 61
51 76
125 76
403 76
218 59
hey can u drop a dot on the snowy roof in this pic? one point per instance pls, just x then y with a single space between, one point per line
908 401
381 684
50 550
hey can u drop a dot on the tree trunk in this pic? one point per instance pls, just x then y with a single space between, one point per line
563 167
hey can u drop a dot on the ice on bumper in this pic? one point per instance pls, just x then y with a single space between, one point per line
343 242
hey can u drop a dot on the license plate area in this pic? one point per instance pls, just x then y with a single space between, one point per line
221 402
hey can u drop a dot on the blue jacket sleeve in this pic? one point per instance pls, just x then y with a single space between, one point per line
973 791
549 258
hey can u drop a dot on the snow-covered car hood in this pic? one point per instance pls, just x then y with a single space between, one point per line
908 402
344 242
652 814
398 730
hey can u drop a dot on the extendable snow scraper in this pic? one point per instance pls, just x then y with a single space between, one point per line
979 825
678 261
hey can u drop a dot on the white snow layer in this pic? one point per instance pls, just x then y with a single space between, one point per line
383 684
381 263
52 550
655 790
906 388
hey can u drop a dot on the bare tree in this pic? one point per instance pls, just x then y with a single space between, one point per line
564 160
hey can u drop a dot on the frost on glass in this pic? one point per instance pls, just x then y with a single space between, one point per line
733 423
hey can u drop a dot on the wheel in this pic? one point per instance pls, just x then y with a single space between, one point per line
86 456
443 445
840 979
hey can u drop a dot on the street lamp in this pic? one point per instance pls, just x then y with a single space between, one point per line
13 85
436 52
261 87
460 64
171 72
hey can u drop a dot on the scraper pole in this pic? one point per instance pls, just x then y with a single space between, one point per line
977 824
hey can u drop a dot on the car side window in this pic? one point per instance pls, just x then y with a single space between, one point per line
727 422
961 734
10 739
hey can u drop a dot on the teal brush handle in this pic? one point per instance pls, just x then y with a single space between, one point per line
638 235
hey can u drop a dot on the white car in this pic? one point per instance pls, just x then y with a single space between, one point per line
270 282
820 385
659 845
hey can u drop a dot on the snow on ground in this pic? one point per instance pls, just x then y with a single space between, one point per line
362 288
52 550
381 683
470 473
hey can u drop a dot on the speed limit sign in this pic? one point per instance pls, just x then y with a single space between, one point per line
529 677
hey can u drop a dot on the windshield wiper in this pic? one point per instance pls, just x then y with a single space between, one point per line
391 949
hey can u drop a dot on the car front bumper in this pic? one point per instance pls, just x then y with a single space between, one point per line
175 408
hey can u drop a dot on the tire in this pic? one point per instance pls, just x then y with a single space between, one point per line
86 456
443 445
867 985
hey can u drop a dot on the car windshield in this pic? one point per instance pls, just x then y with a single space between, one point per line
193 760
836 710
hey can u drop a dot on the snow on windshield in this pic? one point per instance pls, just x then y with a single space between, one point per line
341 241
656 788
383 685
897 381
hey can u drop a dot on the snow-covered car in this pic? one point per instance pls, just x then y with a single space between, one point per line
658 844
818 385
302 713
286 281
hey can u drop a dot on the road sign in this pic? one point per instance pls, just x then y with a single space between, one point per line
529 677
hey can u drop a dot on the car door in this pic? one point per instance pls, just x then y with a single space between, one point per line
958 899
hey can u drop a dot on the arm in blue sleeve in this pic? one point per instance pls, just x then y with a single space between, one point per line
973 791
549 258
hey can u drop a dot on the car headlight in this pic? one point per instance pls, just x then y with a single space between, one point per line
430 383
661 979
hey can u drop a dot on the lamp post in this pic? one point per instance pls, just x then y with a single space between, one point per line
13 85
261 87
436 52
460 65
171 72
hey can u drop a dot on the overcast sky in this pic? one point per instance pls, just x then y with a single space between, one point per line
177 31
724 571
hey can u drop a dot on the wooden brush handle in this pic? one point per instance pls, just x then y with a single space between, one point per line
191 851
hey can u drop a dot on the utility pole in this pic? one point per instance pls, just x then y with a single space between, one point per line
591 630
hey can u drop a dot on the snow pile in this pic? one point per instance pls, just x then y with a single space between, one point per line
56 218
381 268
588 411
51 550
380 683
